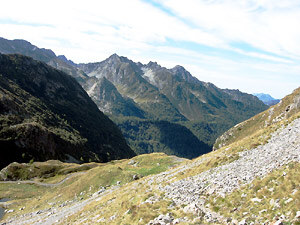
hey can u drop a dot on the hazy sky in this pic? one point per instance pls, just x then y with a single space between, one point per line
251 45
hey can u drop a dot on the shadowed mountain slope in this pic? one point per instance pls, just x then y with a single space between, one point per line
45 114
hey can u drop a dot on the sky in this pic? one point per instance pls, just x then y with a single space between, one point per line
250 45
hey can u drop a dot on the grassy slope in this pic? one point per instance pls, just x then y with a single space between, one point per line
279 195
128 202
287 108
34 197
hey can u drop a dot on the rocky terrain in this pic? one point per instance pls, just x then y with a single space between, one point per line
235 184
282 148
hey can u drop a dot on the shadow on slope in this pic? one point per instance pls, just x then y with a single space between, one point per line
147 136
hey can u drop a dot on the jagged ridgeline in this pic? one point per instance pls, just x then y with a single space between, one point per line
148 96
45 114
138 97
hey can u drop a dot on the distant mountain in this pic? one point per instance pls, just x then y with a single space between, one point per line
173 95
127 77
267 99
45 55
148 93
45 114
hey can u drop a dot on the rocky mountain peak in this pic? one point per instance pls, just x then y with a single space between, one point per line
179 68
114 57
117 59
64 58
23 47
181 72
153 65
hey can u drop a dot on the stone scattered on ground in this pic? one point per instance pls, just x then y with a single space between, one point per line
189 193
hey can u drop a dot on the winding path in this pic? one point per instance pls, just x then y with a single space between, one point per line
42 184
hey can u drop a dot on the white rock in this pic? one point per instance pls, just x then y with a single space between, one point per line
278 222
256 200
131 162
294 191
284 173
262 211
244 195
243 222
113 217
288 201
101 220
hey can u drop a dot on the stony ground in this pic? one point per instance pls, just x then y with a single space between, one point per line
282 148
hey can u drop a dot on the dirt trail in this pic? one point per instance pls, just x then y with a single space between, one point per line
43 184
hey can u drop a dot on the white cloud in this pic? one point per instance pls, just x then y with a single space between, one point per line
267 25
91 30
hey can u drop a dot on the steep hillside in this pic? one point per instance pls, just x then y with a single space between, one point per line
146 136
40 117
254 180
286 108
126 76
109 100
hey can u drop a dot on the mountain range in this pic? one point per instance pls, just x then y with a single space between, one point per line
45 114
142 98
267 99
